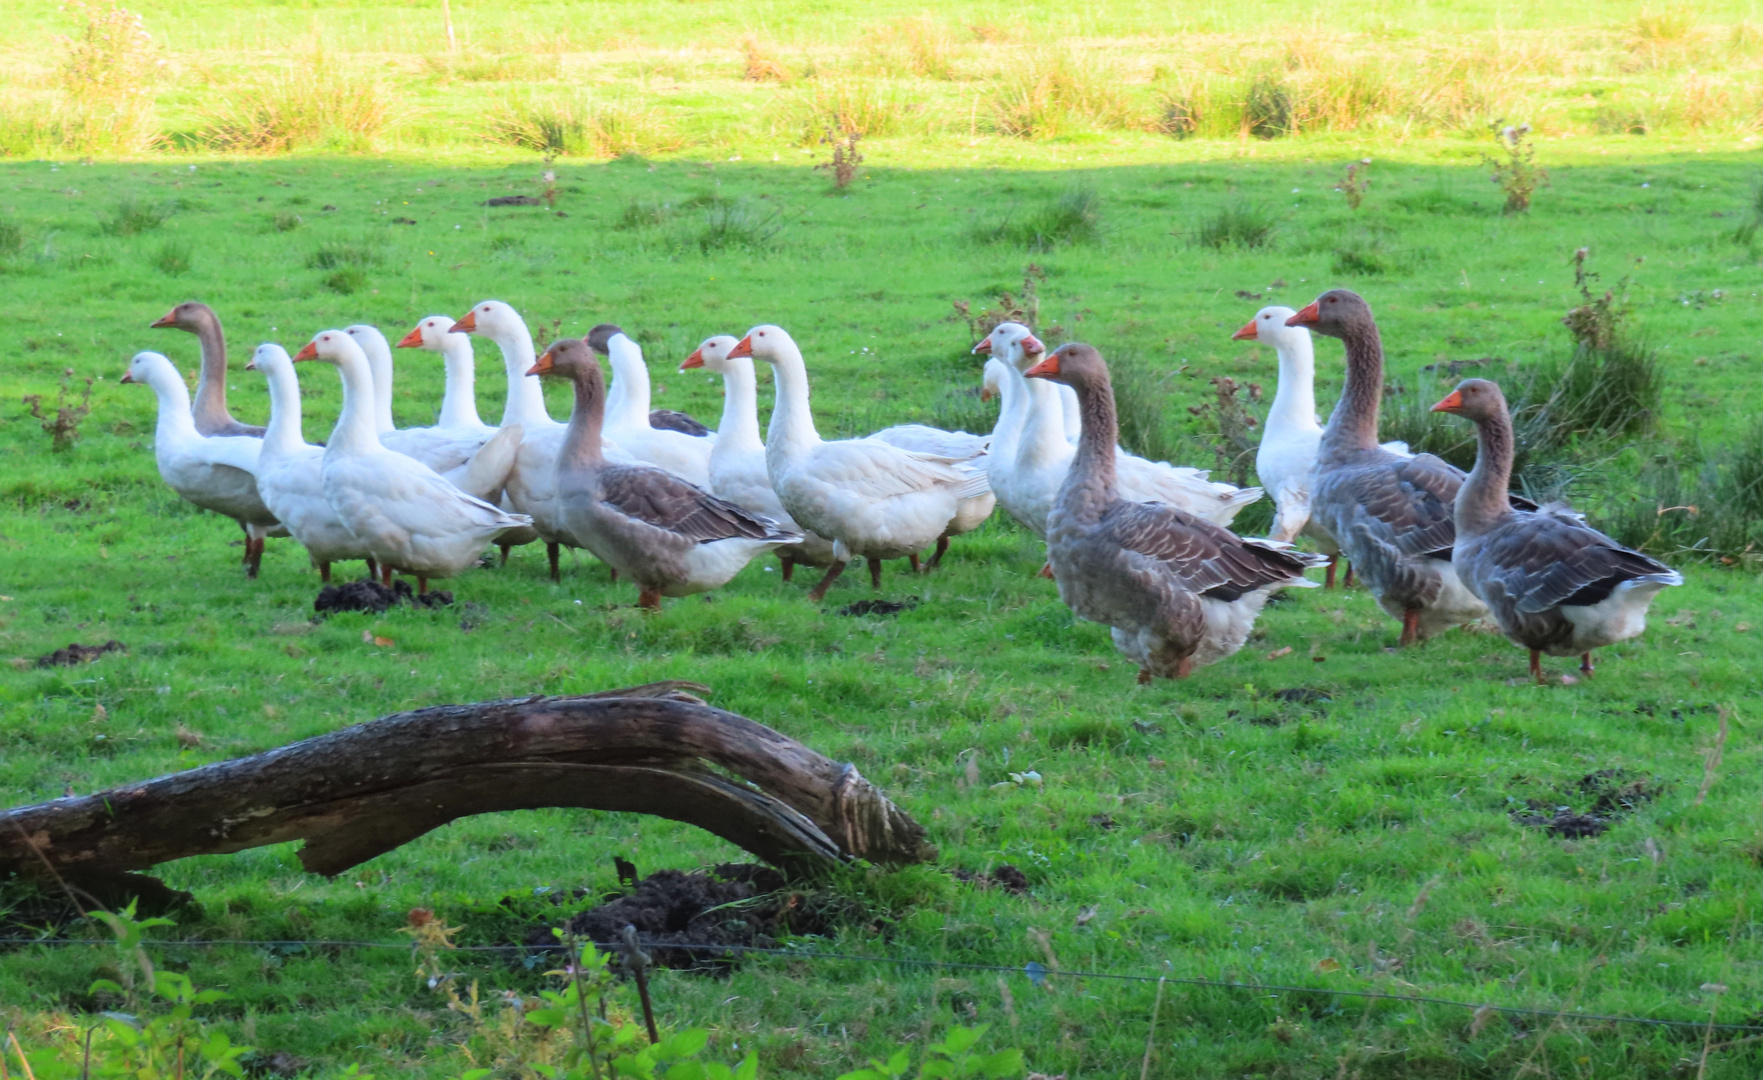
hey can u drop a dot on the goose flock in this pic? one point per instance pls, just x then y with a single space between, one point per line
1143 547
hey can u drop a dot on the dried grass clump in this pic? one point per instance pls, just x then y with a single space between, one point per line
864 107
761 63
108 74
311 104
1057 97
577 125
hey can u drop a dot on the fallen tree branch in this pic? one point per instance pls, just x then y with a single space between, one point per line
362 791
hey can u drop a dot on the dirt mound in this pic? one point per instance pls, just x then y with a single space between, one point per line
1612 793
739 904
76 654
372 597
1008 877
879 607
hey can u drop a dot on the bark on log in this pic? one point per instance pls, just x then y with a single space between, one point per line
362 791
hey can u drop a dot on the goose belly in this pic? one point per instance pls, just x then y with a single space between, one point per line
1618 617
1455 605
889 528
221 488
1227 625
295 495
1029 492
712 565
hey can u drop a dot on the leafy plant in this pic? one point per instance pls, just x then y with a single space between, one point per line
1516 171
956 1056
1141 397
1227 424
287 221
643 213
1024 308
1238 225
1354 184
1074 217
107 73
1268 109
173 258
845 160
63 428
733 225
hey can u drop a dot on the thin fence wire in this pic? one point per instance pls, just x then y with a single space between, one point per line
1034 972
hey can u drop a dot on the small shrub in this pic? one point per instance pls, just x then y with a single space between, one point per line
311 105
1354 185
345 280
1177 115
861 107
734 226
1746 233
335 254
11 238
1073 218
287 221
1024 308
135 215
1046 100
1227 427
173 258
761 64
570 124
846 158
644 214
63 426
108 73
1268 110
1516 172
1237 225
1141 397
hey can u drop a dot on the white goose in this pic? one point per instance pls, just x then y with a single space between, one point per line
217 473
737 463
290 471
1044 456
627 415
459 401
409 516
956 446
1285 462
476 460
873 500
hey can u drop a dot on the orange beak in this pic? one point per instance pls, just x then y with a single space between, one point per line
544 365
1453 402
985 345
1247 333
466 325
126 377
310 352
1310 316
169 320
1032 345
696 360
1049 366
412 340
745 348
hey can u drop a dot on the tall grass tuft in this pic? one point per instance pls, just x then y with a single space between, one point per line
1237 225
1268 108
1046 100
173 258
134 215
733 225
863 107
1072 218
1748 230
108 74
11 238
335 254
577 125
1141 399
924 46
761 63
310 105
1709 509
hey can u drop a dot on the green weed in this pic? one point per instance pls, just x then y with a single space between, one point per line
173 258
1236 225
1268 109
734 225
1072 218
11 238
135 215
286 221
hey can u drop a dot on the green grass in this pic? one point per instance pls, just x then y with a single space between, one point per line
1202 829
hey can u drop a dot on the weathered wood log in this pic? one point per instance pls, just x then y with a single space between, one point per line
362 791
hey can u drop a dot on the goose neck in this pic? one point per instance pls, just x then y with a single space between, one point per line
792 420
1353 425
630 376
175 420
1482 501
210 409
284 432
355 432
379 362
1089 486
459 402
1043 429
1013 393
526 398
582 446
738 430
1294 400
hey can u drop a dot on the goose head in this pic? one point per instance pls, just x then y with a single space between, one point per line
1479 400
431 333
269 358
1336 313
1270 327
191 316
370 339
600 337
1014 344
574 360
143 366
712 355
492 318
1074 364
765 343
332 347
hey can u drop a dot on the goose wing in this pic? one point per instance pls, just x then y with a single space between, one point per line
879 470
1208 559
1551 559
663 500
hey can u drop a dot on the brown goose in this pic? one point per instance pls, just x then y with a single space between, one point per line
1389 515
1554 584
671 538
1176 589
209 409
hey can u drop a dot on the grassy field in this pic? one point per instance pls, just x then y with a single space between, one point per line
1209 829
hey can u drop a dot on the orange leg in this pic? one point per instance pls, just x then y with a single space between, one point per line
504 548
386 576
789 565
650 599
612 572
324 572
1144 676
422 585
1410 626
913 560
875 573
551 554
936 558
1349 581
1536 666
253 557
1328 583
1585 664
1185 668
817 593
1047 571
373 569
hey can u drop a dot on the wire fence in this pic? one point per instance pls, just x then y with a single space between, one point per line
1036 973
